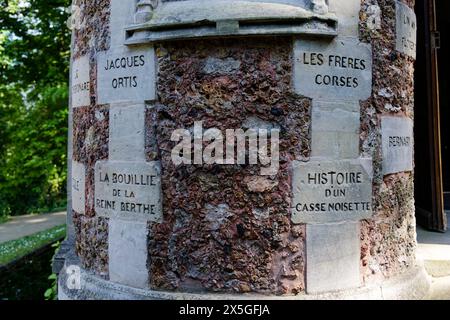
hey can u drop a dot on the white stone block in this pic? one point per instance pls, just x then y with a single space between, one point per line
335 119
80 91
332 191
347 12
127 250
332 257
334 145
127 132
78 187
122 16
335 130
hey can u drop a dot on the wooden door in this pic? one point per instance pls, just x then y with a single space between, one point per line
428 172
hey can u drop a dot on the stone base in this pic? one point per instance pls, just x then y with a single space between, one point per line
412 285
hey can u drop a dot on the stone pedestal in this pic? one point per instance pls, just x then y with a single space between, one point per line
253 150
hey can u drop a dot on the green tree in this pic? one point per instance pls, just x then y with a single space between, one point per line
34 63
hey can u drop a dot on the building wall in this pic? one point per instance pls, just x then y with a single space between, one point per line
388 240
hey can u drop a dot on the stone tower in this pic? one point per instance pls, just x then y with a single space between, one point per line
165 201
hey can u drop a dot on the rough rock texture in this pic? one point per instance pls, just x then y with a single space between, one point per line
90 144
92 28
92 243
388 241
91 130
225 227
91 134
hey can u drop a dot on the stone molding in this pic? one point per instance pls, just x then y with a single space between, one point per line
411 285
177 20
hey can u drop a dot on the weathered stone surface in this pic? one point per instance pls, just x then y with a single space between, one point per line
127 132
80 91
255 247
406 29
374 17
122 15
128 190
387 242
412 285
221 66
128 253
91 243
333 252
319 6
348 16
300 3
90 24
260 184
191 12
126 75
256 232
256 123
78 187
340 69
181 20
335 130
336 117
334 145
398 144
332 191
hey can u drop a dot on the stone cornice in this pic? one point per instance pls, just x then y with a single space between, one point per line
200 19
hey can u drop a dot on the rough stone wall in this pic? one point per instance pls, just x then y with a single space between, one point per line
388 240
91 134
92 34
225 227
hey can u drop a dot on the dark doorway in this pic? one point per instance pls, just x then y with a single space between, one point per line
443 26
431 112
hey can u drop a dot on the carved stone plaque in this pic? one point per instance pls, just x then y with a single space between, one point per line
80 89
126 75
398 144
406 29
332 191
78 187
128 190
333 70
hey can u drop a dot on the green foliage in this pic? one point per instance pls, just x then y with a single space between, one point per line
52 292
34 63
16 249
4 219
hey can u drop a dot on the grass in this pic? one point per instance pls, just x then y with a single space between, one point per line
15 249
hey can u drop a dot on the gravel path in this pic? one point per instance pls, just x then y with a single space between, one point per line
22 226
